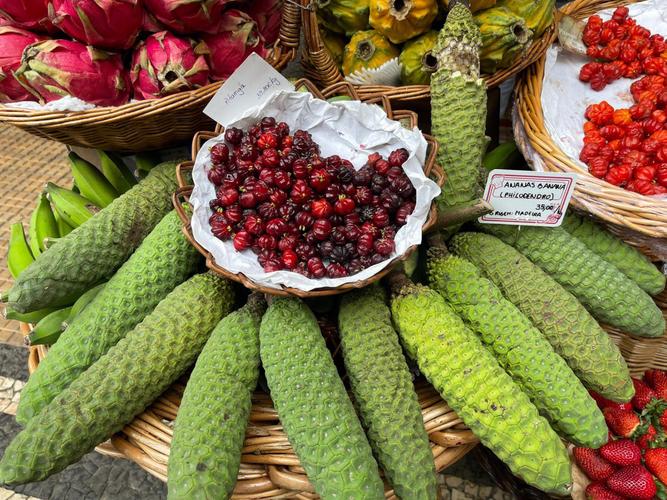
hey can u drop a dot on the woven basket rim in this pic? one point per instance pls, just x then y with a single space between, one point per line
181 197
269 467
610 203
318 64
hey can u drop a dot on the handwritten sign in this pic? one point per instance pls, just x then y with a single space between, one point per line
528 198
253 82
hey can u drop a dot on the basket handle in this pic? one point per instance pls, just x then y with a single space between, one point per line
179 199
317 56
310 86
181 169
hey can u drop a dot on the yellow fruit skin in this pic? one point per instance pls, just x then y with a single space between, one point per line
335 44
505 35
538 14
401 20
414 68
367 50
343 16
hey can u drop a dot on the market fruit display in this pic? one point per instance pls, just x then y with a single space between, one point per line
313 406
470 379
633 463
127 49
163 260
393 424
301 212
519 347
215 408
121 384
96 249
417 60
508 28
367 50
458 108
569 328
609 295
626 147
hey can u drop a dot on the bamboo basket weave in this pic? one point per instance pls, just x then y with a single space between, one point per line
181 197
319 66
269 467
150 124
638 219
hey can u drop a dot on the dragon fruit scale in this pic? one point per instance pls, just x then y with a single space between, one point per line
12 42
107 24
268 15
52 69
237 39
164 64
27 14
188 16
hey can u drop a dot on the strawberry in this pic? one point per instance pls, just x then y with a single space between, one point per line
603 402
598 491
656 461
657 379
623 423
633 481
622 452
644 441
590 461
643 395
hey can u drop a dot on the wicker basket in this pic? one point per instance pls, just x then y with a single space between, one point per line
269 467
184 191
320 67
638 219
145 125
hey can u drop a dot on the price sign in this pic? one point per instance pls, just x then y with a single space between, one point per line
528 198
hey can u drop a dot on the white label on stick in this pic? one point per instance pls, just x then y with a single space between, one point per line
528 198
253 82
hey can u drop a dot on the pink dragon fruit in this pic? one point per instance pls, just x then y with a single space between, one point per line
56 68
150 24
108 24
164 64
27 14
237 39
267 14
188 16
12 42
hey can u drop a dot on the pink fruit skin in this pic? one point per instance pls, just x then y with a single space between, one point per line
268 15
164 64
188 16
107 24
228 49
27 14
55 68
12 42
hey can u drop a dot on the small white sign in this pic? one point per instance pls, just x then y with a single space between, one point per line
528 198
253 82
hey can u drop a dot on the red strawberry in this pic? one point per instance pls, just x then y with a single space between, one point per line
656 461
633 481
657 379
603 402
590 461
599 491
623 423
622 452
645 440
643 395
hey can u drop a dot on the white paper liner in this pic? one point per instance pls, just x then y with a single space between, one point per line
565 98
387 74
350 129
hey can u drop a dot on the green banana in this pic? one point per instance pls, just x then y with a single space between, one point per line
42 225
49 328
31 317
63 227
19 255
505 155
116 172
70 206
83 301
91 182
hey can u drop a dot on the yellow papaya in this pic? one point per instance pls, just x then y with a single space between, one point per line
504 38
417 62
538 14
334 43
343 16
401 20
367 50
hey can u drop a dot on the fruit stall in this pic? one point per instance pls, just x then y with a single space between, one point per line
327 249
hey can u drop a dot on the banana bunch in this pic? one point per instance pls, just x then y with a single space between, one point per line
58 212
